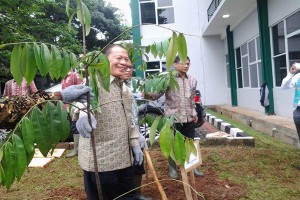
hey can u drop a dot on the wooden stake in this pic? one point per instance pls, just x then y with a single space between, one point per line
151 168
187 189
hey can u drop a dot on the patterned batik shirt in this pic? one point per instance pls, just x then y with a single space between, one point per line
13 89
72 78
114 134
180 102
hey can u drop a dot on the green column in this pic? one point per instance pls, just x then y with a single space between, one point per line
136 32
265 49
232 72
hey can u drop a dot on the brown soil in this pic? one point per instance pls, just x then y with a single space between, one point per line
209 187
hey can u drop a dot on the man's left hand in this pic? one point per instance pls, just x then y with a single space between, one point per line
138 155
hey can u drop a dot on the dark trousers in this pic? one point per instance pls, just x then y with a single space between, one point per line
186 129
113 184
296 116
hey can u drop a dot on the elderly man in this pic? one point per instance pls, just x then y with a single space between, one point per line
115 138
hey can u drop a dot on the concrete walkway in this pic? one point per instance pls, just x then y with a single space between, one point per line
279 127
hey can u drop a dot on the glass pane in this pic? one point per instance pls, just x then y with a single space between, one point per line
252 52
280 69
238 58
294 49
258 47
148 13
163 66
153 65
165 16
226 59
240 78
244 49
278 39
259 73
228 75
162 3
147 73
253 76
293 23
245 71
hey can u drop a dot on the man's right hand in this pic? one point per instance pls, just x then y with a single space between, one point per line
84 127
75 93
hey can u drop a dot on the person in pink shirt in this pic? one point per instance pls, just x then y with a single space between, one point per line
72 78
13 89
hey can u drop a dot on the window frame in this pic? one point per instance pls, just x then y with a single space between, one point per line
277 74
156 8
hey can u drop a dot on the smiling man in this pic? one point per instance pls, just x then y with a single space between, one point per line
115 138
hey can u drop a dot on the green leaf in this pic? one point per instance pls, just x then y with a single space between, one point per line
46 60
148 49
1 154
68 7
9 171
103 68
28 138
2 176
56 66
20 156
187 149
73 60
165 140
179 148
94 85
153 129
53 119
70 21
66 64
38 58
182 50
64 126
87 18
41 131
192 147
154 50
2 46
171 52
30 69
15 63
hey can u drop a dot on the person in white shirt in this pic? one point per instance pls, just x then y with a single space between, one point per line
292 80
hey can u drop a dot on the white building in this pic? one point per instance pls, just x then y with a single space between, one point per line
231 57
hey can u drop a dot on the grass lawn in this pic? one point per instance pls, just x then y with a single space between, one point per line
265 171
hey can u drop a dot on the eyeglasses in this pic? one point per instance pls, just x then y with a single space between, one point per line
123 68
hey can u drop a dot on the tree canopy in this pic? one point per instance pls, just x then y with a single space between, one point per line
46 21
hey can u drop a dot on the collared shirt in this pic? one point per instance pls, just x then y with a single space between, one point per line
13 89
180 102
114 134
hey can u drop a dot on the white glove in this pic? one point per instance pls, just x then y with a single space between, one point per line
75 93
138 155
142 142
84 127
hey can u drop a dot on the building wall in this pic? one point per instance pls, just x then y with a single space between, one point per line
278 10
245 31
207 54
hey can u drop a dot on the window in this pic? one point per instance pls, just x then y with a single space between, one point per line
155 67
239 68
248 64
286 46
157 11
